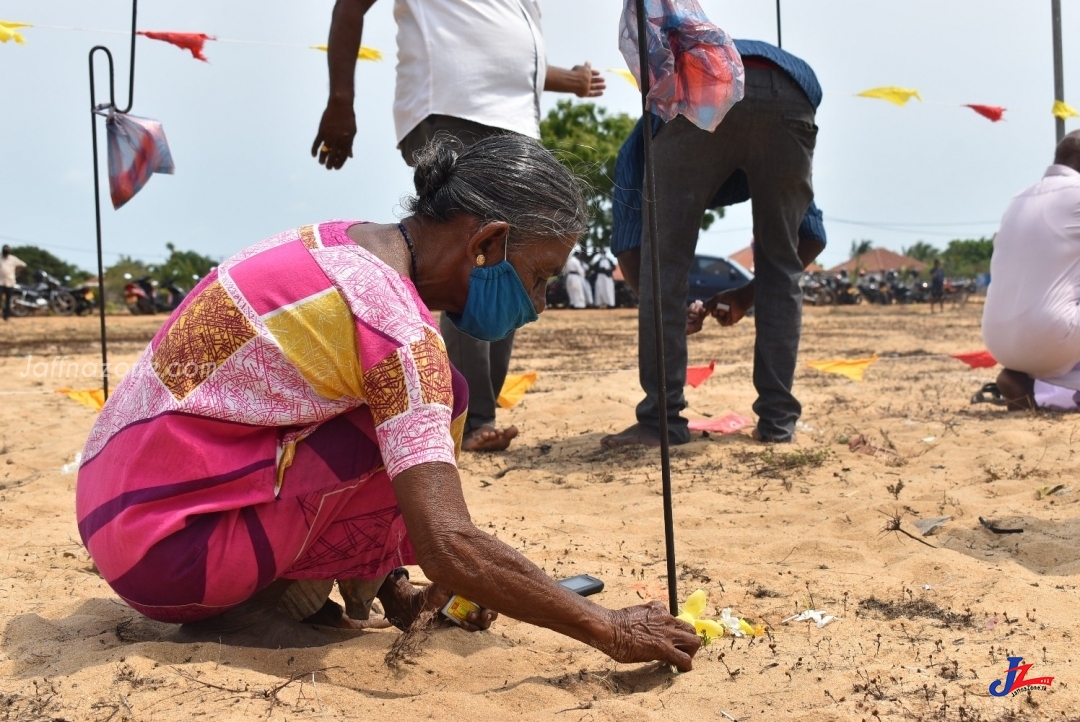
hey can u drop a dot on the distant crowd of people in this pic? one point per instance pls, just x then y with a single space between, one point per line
590 283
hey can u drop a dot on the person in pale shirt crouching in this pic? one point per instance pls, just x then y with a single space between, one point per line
1031 320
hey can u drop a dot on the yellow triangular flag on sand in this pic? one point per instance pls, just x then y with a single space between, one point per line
624 74
94 398
1063 110
7 31
365 53
896 96
515 387
853 369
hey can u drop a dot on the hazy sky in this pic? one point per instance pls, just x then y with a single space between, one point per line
241 127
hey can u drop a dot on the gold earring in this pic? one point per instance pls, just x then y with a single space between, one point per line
480 259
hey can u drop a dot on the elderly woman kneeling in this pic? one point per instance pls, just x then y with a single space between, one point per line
296 421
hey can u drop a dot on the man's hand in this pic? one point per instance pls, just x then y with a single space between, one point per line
333 144
695 316
728 307
649 632
590 83
581 80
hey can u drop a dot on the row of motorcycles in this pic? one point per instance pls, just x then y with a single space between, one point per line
48 293
824 290
142 296
145 296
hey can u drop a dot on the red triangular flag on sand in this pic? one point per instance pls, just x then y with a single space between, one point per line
726 424
976 359
696 375
187 41
993 112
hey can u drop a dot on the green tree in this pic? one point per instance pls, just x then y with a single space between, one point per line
967 257
860 247
586 138
184 266
922 251
38 259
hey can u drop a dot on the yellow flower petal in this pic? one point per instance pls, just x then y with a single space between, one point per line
695 603
687 618
709 628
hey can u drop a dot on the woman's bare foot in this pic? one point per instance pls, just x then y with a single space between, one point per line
489 438
255 623
333 615
636 435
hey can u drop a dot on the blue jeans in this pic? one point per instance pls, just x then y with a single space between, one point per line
770 135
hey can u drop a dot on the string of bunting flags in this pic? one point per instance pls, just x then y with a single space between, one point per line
194 43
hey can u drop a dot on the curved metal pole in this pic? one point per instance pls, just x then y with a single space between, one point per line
654 258
94 110
97 208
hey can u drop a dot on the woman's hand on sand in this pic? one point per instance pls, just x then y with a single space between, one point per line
649 633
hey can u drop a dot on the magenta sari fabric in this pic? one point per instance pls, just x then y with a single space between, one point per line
257 436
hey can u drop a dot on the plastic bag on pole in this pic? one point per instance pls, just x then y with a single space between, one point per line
694 68
137 149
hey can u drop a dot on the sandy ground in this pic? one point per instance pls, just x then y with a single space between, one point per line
923 630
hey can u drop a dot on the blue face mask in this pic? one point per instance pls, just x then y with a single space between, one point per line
497 304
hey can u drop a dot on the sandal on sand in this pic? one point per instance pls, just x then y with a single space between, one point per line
989 394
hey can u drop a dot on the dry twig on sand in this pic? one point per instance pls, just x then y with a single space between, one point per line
409 643
893 525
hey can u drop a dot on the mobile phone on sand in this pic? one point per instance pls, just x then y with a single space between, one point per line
583 584
458 609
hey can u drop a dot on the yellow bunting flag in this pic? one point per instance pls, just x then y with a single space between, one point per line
365 53
853 369
1063 110
624 74
515 387
94 398
7 32
896 96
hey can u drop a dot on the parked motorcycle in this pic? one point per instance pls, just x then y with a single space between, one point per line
874 290
844 290
145 296
817 290
85 300
46 293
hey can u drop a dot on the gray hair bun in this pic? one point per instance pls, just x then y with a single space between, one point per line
435 166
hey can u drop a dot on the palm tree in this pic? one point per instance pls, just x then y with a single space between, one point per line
860 247
922 251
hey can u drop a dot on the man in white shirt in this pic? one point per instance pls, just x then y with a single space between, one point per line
605 283
1031 320
574 277
471 69
9 266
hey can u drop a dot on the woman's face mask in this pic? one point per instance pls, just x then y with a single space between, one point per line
497 303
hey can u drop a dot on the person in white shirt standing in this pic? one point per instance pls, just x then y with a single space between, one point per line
9 266
574 277
471 69
605 282
1031 320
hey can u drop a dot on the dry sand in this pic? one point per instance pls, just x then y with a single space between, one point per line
922 633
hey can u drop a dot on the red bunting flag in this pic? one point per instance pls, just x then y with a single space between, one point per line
696 375
727 424
185 41
993 112
976 359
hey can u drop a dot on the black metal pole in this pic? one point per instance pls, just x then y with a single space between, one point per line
1059 72
97 180
649 202
779 41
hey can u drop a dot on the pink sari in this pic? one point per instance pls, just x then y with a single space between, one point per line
256 437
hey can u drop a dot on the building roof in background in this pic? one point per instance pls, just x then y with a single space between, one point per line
879 259
745 258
